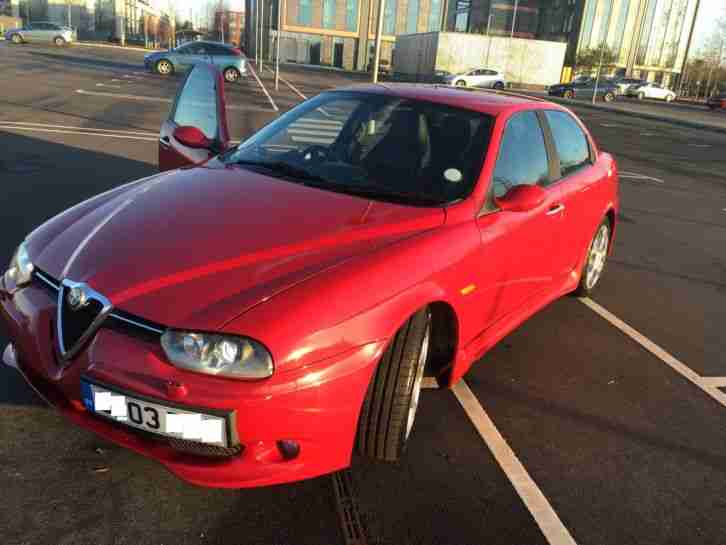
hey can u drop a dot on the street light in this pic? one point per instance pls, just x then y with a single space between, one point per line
379 32
277 49
514 18
603 47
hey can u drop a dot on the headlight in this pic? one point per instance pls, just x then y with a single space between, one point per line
223 355
20 271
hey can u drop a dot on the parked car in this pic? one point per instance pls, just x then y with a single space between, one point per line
277 307
228 58
717 102
384 67
624 83
42 31
479 77
584 88
651 90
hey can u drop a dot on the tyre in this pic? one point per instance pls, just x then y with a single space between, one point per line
609 97
569 94
461 83
499 85
594 265
16 39
231 74
164 67
391 402
59 41
669 98
641 96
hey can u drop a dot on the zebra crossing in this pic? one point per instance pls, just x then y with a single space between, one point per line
322 129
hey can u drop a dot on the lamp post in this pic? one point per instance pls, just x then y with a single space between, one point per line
514 18
603 47
379 32
277 49
489 38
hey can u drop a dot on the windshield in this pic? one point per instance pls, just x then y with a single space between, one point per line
377 146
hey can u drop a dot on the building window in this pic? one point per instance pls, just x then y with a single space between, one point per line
461 23
351 15
587 23
435 16
328 13
620 29
305 13
412 17
389 18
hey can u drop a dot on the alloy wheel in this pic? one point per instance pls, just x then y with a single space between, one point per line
418 379
16 39
231 75
164 67
59 41
598 255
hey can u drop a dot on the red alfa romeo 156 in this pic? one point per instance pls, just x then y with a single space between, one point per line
255 314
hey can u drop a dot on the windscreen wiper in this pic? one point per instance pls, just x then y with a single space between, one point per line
285 169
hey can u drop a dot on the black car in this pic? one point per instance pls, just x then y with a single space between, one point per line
585 88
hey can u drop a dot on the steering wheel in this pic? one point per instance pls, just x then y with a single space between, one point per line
315 153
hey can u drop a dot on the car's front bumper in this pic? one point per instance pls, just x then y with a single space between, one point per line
316 407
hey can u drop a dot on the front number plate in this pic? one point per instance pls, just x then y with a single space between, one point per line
154 418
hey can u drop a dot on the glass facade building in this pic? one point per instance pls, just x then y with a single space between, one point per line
648 37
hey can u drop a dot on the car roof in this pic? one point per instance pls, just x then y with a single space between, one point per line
210 42
488 102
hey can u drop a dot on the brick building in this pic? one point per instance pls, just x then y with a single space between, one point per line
233 23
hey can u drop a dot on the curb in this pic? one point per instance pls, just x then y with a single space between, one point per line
642 115
111 46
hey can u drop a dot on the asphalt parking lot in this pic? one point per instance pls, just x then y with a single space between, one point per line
599 421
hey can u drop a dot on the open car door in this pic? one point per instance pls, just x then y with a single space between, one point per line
196 129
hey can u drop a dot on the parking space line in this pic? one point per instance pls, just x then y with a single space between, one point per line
639 177
263 87
120 95
76 128
708 384
535 501
80 133
290 85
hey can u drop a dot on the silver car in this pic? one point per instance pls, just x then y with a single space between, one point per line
42 31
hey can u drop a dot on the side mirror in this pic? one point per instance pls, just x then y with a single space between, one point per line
192 137
521 198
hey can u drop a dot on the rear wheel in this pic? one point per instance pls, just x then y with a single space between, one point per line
609 97
669 98
164 67
16 39
595 262
59 41
499 85
641 96
569 94
231 74
461 83
391 403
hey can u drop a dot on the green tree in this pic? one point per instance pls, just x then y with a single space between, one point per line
590 58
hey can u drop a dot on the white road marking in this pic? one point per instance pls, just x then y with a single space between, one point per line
127 97
647 134
639 177
709 385
699 145
533 498
263 87
75 128
609 125
429 383
80 133
290 85
108 86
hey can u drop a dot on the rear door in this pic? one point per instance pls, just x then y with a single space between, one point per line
192 54
576 177
199 103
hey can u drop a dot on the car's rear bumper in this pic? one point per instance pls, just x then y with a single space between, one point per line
316 407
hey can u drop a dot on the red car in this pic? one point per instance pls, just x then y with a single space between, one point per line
256 318
717 102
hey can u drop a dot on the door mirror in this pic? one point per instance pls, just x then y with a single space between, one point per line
192 137
521 198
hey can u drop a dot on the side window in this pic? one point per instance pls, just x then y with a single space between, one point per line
522 156
184 50
570 142
197 103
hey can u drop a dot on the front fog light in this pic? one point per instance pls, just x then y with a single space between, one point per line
20 271
223 355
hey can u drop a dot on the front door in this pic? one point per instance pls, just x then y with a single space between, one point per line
517 247
193 54
199 103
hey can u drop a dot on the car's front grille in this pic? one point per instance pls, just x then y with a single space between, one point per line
202 449
75 322
118 320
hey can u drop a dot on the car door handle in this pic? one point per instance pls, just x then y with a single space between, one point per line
555 209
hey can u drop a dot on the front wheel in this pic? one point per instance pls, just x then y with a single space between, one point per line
231 75
460 83
609 97
59 41
164 67
595 262
641 96
16 39
391 402
499 85
569 94
670 98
